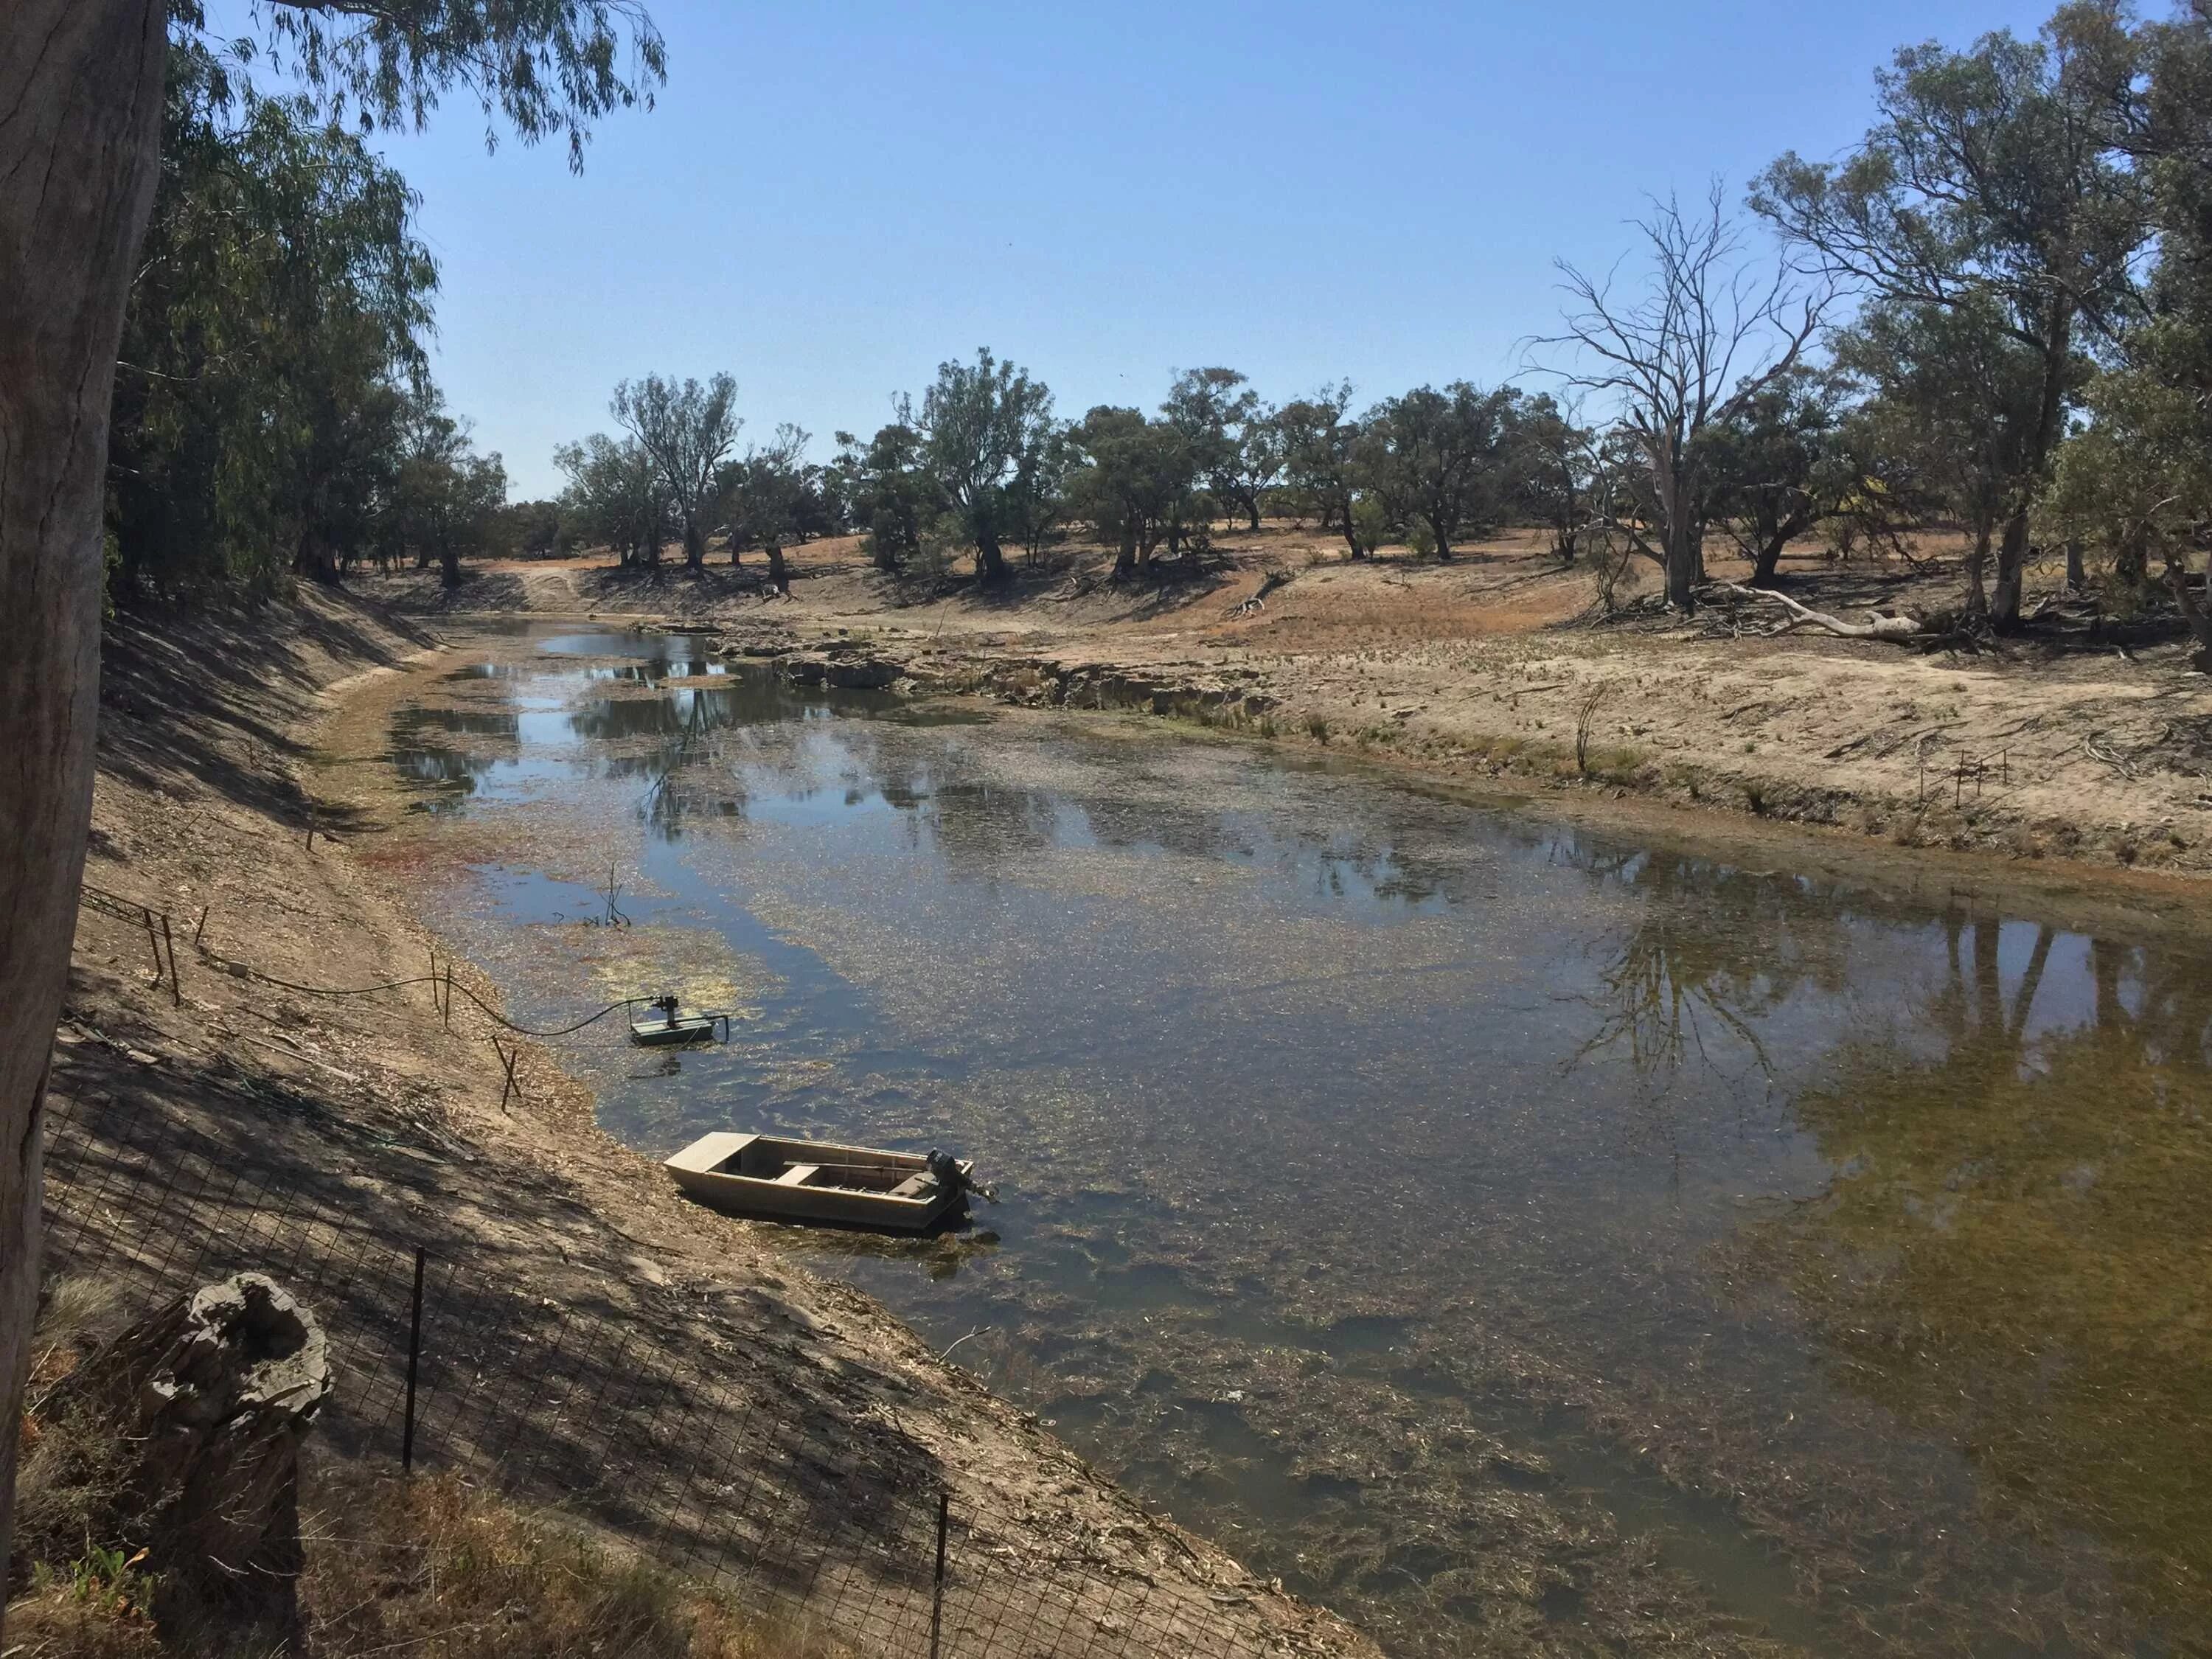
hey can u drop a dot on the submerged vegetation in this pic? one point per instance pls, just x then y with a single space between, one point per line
1726 1250
2011 1253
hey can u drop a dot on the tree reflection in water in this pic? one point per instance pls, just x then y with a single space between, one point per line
1710 953
2014 1252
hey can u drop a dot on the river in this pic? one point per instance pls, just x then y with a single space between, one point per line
1506 1233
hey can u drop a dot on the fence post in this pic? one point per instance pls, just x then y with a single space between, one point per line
413 1357
937 1596
176 995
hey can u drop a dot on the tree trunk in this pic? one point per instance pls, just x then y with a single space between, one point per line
1124 557
1351 528
210 1398
1443 542
1768 558
990 561
449 566
1682 568
2013 550
694 546
1977 564
778 574
81 87
2199 620
1252 509
2077 577
2012 570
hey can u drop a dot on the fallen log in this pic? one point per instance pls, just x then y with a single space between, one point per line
1876 627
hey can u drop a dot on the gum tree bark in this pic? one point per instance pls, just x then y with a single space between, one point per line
80 136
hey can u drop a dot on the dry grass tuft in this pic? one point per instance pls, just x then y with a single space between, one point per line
73 1467
435 1570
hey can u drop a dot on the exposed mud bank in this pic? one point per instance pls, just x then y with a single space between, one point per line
1480 672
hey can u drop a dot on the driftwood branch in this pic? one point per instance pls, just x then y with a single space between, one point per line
1876 627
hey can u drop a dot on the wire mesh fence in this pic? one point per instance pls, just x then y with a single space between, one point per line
715 1469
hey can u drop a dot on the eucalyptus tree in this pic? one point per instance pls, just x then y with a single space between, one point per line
1441 461
1557 469
887 491
80 148
1134 472
615 496
1783 463
1233 437
689 430
1321 448
1037 496
271 343
1955 396
447 497
1993 182
978 422
764 497
2136 478
1705 336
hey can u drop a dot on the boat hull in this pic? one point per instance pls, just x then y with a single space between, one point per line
662 1034
817 1181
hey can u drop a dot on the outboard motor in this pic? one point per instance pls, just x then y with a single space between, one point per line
944 1169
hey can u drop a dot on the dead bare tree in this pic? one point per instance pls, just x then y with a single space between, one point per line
1705 337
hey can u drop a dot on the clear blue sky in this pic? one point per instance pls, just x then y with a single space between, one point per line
834 195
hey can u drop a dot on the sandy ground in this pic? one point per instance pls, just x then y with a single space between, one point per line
2080 750
217 751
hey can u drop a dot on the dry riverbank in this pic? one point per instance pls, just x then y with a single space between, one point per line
1488 669
211 778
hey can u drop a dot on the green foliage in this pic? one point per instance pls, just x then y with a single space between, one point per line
531 530
1319 448
885 489
1442 461
1135 482
1235 443
688 430
982 425
447 499
1994 218
615 497
272 351
271 409
1556 470
108 1578
1786 459
2135 480
549 67
773 496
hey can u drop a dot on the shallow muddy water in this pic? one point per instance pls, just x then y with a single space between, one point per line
1506 1234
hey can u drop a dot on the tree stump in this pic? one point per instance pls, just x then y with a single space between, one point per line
214 1394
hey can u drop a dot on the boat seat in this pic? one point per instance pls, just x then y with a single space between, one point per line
913 1186
798 1175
